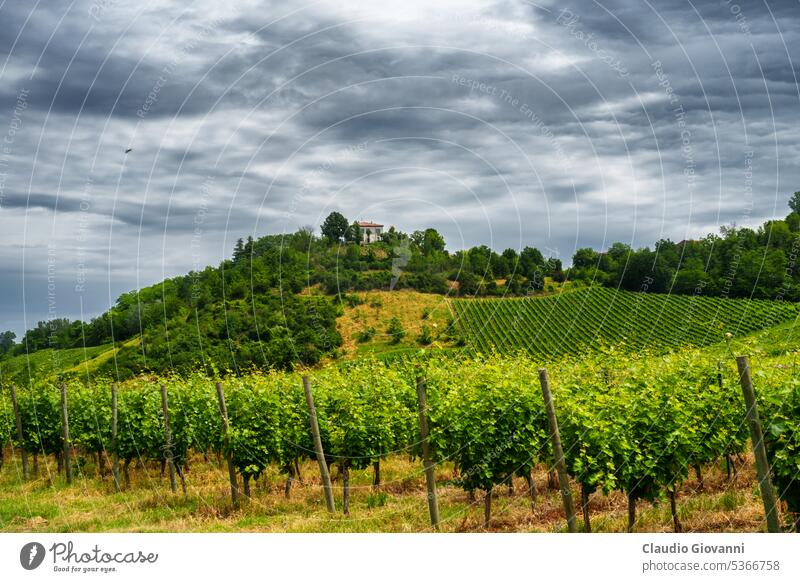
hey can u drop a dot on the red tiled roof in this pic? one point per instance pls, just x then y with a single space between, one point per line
368 224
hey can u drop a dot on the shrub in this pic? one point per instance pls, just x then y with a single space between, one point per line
365 335
425 336
352 300
395 331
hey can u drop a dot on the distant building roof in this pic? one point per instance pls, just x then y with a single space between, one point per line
368 224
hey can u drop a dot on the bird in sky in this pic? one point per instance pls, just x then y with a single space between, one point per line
129 150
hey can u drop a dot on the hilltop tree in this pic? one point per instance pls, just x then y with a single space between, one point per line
302 239
335 227
793 221
512 259
794 202
243 250
7 341
433 241
500 267
531 263
353 233
585 257
428 240
238 250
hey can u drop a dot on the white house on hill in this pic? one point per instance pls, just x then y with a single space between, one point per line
370 231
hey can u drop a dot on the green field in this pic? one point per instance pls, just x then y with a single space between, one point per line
48 363
581 320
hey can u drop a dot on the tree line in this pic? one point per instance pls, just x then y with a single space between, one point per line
738 262
275 302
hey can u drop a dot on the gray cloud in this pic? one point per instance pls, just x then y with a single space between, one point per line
499 122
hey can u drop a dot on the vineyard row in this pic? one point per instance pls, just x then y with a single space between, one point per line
632 423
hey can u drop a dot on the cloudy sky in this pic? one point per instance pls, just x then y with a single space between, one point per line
507 123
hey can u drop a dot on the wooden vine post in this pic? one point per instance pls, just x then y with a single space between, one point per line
587 522
18 420
430 476
730 464
323 465
114 447
631 512
558 452
760 452
223 410
65 434
173 484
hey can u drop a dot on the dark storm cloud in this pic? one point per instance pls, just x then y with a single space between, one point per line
499 122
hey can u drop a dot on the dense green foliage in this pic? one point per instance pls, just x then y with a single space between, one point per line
585 319
275 302
633 423
255 410
46 363
244 313
335 227
395 331
638 426
739 262
780 404
492 426
6 424
7 341
40 411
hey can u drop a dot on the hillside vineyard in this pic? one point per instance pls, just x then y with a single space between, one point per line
586 319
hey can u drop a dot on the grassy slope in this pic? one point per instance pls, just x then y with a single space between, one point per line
92 364
379 307
49 362
773 341
398 506
376 310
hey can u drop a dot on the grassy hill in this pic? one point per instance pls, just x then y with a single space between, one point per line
571 321
584 319
283 301
50 362
364 325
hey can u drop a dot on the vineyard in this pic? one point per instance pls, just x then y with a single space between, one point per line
633 425
579 320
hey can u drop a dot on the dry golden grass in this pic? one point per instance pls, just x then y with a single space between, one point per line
379 307
398 505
